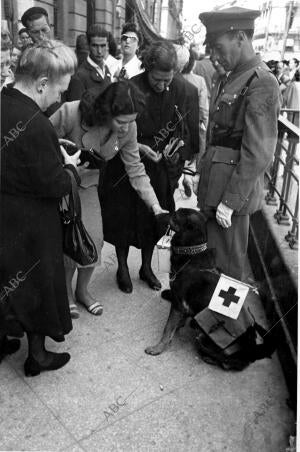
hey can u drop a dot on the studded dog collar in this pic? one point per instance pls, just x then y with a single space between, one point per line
190 250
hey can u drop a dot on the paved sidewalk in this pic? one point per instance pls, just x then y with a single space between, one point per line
111 396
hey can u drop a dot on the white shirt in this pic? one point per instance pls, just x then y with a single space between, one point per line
112 64
133 67
98 68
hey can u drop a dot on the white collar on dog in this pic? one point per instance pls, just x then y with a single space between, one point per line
190 250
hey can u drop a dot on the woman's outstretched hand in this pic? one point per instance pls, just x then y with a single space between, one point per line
146 151
158 210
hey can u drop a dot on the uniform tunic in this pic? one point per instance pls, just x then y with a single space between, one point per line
32 276
241 142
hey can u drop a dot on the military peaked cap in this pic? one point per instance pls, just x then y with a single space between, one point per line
234 18
32 12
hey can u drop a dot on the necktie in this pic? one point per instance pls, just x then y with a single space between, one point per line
123 73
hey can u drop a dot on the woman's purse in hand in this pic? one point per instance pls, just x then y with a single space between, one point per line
77 243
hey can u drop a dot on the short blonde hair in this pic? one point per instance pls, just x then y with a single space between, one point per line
52 59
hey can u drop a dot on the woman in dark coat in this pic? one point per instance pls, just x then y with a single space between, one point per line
165 116
33 179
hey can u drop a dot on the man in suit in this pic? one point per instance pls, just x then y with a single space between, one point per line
241 136
93 74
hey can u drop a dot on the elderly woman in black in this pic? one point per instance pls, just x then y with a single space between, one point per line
166 116
33 179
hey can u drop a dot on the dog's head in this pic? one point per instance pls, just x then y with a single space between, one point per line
189 225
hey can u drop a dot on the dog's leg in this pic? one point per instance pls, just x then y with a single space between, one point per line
173 323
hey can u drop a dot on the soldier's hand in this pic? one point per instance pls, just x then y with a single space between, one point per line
223 215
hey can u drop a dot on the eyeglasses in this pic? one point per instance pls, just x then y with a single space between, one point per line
130 38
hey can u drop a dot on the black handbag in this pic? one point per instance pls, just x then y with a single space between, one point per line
77 243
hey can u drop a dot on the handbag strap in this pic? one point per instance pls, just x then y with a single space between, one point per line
74 205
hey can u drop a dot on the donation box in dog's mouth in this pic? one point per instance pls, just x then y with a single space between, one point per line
163 253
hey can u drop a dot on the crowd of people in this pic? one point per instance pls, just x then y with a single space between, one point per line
288 76
128 107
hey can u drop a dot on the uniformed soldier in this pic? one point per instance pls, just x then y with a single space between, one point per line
241 137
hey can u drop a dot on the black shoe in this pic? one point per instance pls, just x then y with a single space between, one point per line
8 347
124 281
150 279
33 368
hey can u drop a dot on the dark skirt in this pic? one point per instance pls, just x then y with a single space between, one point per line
127 221
32 276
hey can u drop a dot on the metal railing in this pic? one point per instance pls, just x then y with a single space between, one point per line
283 181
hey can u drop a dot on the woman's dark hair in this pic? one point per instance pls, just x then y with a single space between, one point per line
120 98
190 64
130 26
297 76
23 30
160 55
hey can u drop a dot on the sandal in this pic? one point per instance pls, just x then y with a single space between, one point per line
94 309
74 311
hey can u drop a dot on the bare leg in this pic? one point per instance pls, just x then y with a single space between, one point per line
83 279
69 271
174 322
83 296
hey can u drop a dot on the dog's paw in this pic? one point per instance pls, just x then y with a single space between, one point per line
154 350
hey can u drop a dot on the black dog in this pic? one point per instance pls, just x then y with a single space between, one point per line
193 276
193 279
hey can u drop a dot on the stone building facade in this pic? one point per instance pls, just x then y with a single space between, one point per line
156 18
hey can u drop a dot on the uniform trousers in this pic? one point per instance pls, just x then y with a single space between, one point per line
231 244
